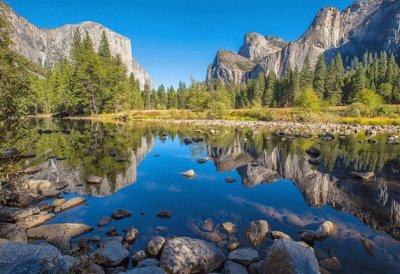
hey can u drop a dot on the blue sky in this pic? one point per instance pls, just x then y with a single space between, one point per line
177 39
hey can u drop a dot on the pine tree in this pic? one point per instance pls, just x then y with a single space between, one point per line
320 77
306 75
104 48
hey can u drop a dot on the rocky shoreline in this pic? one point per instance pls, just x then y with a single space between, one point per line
333 128
28 245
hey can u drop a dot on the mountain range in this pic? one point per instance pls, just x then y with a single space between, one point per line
47 46
368 25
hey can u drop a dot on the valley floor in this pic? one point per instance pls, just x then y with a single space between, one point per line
336 115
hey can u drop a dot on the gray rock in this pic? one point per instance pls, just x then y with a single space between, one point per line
121 214
70 261
256 268
149 262
131 235
146 270
207 225
17 258
110 253
138 256
105 220
93 179
187 255
325 229
9 153
257 231
155 246
69 204
331 264
244 256
13 233
234 268
228 227
58 230
276 235
363 175
288 256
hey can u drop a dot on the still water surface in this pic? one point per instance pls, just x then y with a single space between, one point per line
141 166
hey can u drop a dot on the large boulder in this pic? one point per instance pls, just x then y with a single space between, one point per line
184 255
110 253
58 230
13 233
257 231
155 246
245 256
17 258
234 268
288 257
146 270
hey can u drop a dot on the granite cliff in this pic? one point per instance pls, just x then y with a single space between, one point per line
47 46
368 25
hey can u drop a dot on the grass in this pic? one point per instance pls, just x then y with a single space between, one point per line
328 114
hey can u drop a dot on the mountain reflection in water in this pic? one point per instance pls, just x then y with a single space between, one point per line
116 152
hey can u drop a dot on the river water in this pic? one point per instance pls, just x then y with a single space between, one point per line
141 165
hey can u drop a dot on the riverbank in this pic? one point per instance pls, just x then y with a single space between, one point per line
288 116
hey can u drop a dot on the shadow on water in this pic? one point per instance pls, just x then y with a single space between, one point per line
141 164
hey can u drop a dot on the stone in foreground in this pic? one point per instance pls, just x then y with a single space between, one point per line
184 255
155 246
234 268
17 258
111 253
256 232
244 256
287 256
58 230
146 270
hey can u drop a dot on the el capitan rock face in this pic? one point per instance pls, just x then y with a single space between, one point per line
47 46
372 25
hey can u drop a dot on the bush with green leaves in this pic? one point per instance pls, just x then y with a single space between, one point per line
308 100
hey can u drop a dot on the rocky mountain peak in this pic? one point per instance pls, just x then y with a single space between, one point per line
368 25
256 46
47 46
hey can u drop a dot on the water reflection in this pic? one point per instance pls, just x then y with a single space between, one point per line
114 153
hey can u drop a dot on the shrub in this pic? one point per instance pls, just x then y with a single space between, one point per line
368 98
309 101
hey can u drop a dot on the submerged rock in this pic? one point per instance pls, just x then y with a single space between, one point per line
203 160
131 235
208 225
164 213
228 227
230 180
331 264
149 262
288 256
105 220
17 258
121 214
257 231
325 229
189 174
186 255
